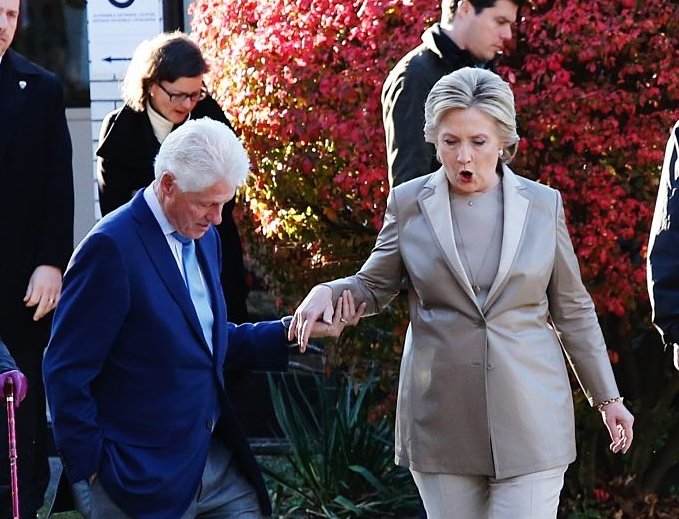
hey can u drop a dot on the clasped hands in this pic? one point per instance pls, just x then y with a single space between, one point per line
318 317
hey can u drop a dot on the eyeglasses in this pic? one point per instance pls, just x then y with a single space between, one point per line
181 97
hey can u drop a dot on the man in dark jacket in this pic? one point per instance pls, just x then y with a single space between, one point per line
471 33
36 232
663 260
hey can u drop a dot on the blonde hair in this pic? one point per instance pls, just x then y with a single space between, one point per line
479 88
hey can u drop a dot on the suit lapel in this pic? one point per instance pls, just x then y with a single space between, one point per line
515 212
434 202
161 258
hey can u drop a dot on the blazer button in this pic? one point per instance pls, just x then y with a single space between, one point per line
209 424
489 366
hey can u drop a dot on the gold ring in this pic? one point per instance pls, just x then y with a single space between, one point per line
343 320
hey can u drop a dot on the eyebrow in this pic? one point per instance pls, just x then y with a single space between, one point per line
451 134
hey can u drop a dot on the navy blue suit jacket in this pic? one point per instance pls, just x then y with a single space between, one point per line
131 383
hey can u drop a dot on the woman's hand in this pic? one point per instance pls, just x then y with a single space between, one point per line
316 316
346 314
618 421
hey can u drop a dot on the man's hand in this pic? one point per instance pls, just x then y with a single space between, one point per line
318 304
44 289
20 385
676 356
618 421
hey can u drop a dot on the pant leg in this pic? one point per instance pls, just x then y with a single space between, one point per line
442 494
224 492
81 497
532 496
101 505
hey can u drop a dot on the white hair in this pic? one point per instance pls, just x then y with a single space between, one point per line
201 152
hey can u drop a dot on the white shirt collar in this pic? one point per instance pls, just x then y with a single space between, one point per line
154 204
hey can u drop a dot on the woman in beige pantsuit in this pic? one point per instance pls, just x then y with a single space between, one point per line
484 419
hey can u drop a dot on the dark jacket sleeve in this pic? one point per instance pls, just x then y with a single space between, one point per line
403 97
6 361
55 240
663 246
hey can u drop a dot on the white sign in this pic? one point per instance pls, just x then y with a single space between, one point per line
115 29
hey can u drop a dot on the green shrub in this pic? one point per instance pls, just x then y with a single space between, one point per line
341 464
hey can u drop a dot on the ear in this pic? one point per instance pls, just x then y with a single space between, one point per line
167 182
464 8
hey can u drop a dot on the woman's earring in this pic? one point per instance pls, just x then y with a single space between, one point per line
500 152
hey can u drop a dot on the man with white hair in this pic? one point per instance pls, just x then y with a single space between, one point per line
134 370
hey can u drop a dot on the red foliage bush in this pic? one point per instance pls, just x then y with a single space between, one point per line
597 91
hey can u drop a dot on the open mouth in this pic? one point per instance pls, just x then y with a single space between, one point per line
466 175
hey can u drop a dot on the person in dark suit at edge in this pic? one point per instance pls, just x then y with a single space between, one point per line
163 87
36 229
663 261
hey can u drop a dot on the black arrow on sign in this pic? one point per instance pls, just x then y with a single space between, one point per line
111 58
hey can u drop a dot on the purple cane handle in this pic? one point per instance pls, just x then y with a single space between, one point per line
11 428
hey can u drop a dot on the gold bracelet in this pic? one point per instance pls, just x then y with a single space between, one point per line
603 404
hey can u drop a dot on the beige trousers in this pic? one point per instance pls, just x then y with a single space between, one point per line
532 496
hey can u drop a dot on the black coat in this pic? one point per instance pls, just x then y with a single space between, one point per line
127 150
36 182
36 228
403 97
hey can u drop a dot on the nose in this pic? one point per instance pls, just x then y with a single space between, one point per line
506 33
464 156
215 214
187 103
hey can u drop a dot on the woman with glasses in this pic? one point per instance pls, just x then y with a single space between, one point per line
163 88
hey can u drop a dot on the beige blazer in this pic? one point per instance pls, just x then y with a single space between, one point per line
484 390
